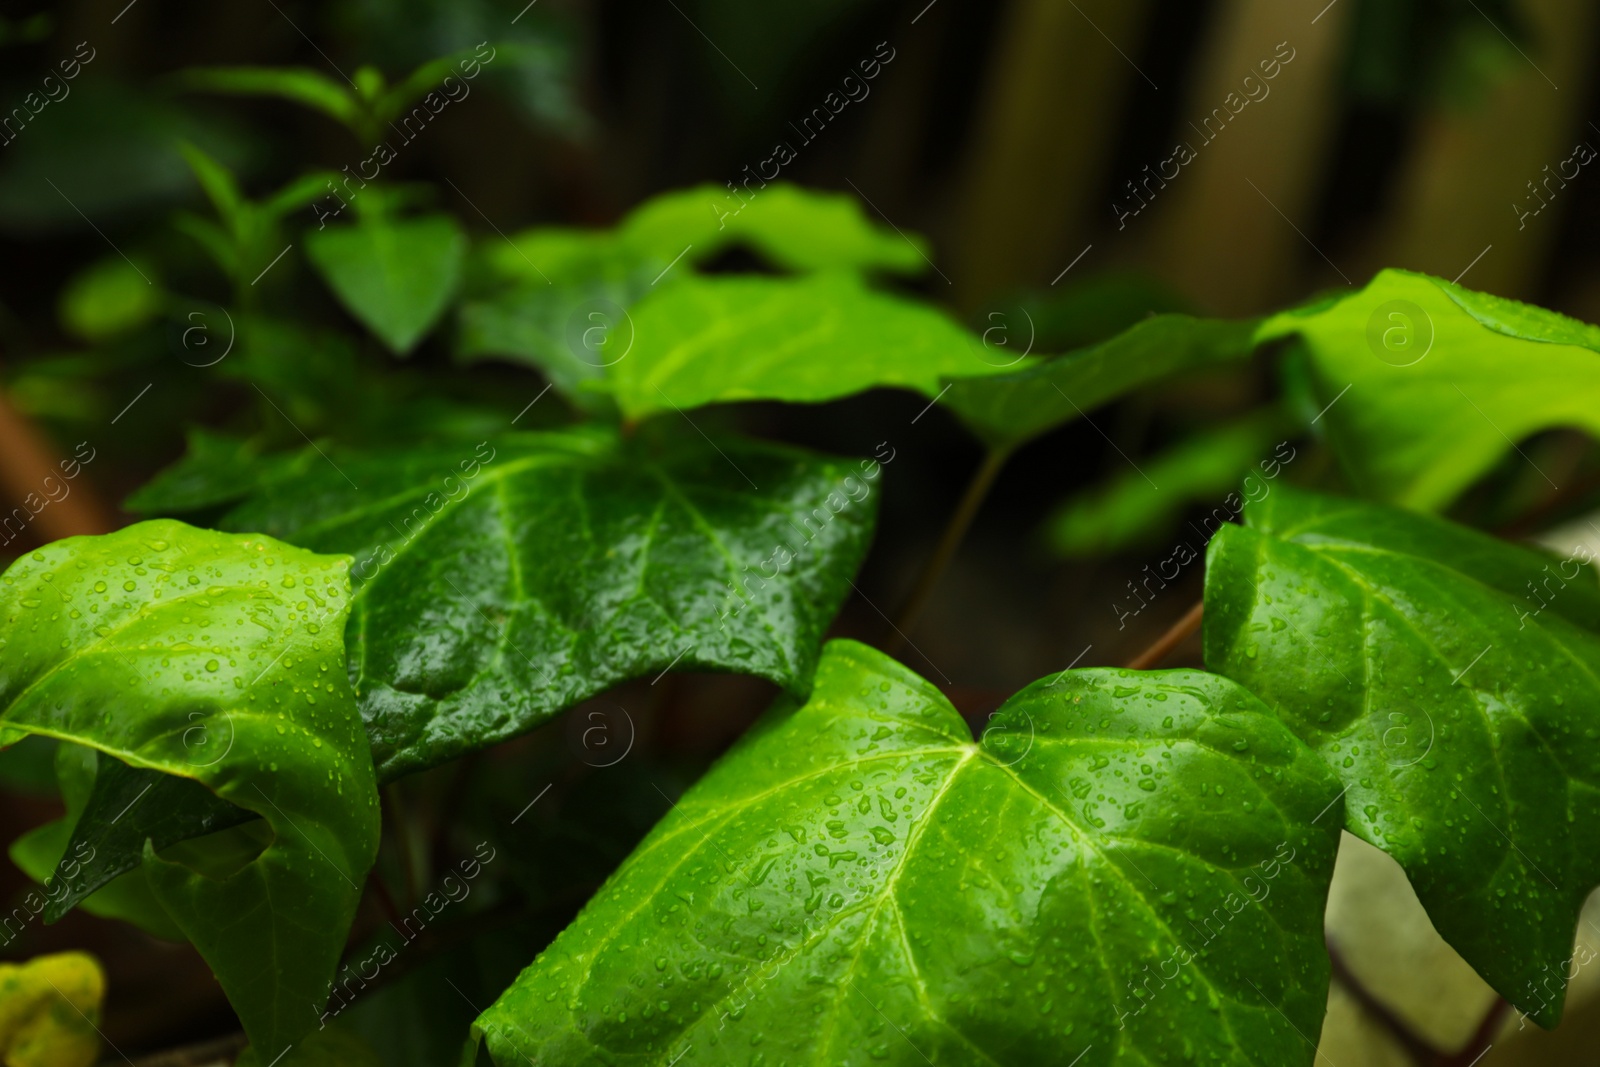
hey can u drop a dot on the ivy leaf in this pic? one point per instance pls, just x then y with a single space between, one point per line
396 276
793 228
1450 680
51 1011
1010 409
1429 384
1130 863
139 642
727 338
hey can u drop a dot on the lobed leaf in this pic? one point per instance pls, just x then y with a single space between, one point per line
1428 384
1130 867
141 642
1451 681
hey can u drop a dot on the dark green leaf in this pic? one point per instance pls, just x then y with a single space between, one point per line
1416 657
1009 409
1130 867
43 854
1139 506
216 470
1429 384
139 643
496 586
397 276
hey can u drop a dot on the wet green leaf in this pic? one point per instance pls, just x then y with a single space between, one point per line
1130 866
1450 680
145 642
1428 385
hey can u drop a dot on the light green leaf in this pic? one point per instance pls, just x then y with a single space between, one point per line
397 276
728 338
1130 867
1138 506
794 228
138 642
110 299
1430 384
1416 657
303 86
1007 410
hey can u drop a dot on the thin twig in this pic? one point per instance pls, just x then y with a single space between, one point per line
1417 1047
1176 634
1482 1038
954 532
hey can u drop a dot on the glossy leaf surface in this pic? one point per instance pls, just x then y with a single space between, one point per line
1450 680
499 584
1430 384
1128 868
144 642
396 276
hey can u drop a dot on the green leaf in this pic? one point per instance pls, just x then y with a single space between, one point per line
500 584
396 276
794 228
1138 506
125 807
133 641
43 855
109 299
303 86
1007 410
1130 863
728 338
1429 384
219 185
215 470
1415 656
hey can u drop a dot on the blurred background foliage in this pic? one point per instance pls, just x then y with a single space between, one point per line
141 211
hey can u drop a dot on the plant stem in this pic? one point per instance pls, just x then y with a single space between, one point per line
954 532
1175 636
1417 1047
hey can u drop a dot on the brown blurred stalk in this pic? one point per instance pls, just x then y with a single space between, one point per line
27 458
1469 166
1225 227
1042 137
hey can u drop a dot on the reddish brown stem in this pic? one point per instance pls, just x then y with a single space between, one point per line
1176 634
